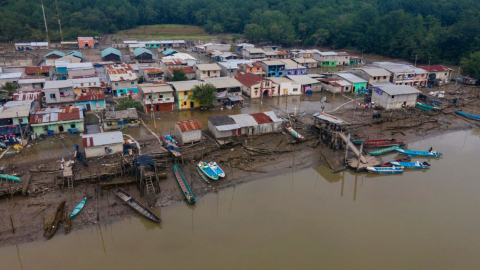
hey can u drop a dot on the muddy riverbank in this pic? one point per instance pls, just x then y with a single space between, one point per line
241 165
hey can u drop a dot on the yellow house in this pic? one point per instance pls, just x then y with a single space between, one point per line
184 93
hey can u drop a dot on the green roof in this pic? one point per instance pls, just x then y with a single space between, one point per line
111 50
61 54
76 54
139 51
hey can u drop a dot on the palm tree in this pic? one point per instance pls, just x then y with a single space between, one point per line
8 88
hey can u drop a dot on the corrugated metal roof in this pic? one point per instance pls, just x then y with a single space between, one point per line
86 82
48 115
90 96
244 120
223 82
111 50
221 120
61 54
329 118
208 67
185 85
262 118
37 70
155 88
58 84
350 77
227 127
189 125
139 51
375 72
76 54
99 139
78 66
399 90
273 116
302 79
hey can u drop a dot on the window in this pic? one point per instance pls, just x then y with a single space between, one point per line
161 96
52 96
393 96
72 126
203 72
62 94
267 84
384 77
132 82
116 83
374 78
184 103
149 97
98 104
445 74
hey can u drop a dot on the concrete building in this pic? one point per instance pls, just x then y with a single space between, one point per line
273 68
307 83
31 84
307 62
57 120
184 92
335 85
80 69
357 82
253 53
277 122
402 74
222 127
10 77
343 59
253 67
206 71
395 96
294 68
58 93
143 55
86 43
287 86
27 46
54 55
102 144
248 125
153 74
111 54
15 113
265 123
122 79
120 119
372 74
226 87
86 85
91 101
255 86
156 97
326 59
188 131
189 72
438 74
42 71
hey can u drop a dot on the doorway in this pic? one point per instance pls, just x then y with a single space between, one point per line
265 93
60 128
192 104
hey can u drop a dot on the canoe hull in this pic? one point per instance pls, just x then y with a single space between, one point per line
384 170
469 115
385 151
136 205
182 182
418 153
410 165
10 177
389 164
78 208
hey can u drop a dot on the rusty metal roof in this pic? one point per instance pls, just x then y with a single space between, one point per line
262 118
189 125
64 113
36 70
90 96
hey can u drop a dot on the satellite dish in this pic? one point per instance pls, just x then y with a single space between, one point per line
323 99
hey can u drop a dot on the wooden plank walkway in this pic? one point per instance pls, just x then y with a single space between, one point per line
352 147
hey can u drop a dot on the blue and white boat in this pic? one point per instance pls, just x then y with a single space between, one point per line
414 153
469 115
205 168
411 165
385 170
78 208
217 169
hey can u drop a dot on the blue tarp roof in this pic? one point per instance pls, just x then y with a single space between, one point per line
169 52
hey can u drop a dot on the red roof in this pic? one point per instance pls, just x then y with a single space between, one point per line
64 113
189 125
27 95
249 79
154 70
262 118
435 68
37 70
90 96
282 53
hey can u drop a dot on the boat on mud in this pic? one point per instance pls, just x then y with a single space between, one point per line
426 107
10 177
207 170
385 151
78 208
295 134
216 169
389 164
136 205
378 143
469 115
414 153
385 170
182 182
411 165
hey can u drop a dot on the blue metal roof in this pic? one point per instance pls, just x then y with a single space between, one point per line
111 50
139 51
61 54
76 54
169 52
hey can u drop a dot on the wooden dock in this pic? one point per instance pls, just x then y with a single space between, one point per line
352 147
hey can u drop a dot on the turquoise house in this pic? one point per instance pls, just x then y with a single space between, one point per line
91 101
357 82
61 67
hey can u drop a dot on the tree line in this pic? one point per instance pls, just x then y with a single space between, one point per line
435 30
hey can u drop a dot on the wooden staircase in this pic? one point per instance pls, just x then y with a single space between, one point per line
149 186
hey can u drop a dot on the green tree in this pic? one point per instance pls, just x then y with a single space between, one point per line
179 75
8 88
471 65
141 79
128 103
205 94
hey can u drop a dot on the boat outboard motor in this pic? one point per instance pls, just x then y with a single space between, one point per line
430 150
426 163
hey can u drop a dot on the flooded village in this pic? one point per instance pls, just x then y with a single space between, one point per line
93 133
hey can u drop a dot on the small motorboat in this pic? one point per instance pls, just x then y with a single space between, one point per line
389 164
295 134
411 165
136 205
217 169
205 168
78 208
385 170
385 151
414 153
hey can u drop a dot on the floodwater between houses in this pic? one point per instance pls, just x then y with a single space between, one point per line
311 219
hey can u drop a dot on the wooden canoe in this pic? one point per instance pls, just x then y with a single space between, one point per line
385 151
182 182
469 115
137 205
378 143
389 164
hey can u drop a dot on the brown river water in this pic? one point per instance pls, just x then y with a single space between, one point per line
311 219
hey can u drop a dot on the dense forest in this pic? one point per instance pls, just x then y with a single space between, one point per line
436 30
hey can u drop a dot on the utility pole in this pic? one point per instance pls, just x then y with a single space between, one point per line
59 23
415 60
45 20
